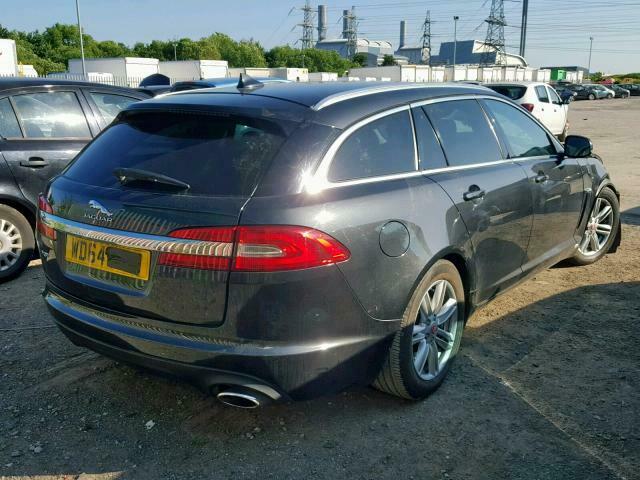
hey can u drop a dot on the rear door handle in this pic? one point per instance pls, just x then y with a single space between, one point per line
541 178
473 193
34 162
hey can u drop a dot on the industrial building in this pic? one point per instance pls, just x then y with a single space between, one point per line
471 52
406 54
348 44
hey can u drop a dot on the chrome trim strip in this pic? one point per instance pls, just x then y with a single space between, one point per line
373 89
154 243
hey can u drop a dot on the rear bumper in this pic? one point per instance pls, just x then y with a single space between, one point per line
300 370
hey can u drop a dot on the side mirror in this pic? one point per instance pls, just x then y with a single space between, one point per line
577 147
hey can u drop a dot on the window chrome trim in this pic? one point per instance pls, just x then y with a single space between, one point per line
154 243
318 181
371 90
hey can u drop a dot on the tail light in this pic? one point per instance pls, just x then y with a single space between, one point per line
217 258
45 230
527 106
258 249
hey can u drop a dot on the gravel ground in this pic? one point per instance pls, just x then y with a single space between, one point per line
546 387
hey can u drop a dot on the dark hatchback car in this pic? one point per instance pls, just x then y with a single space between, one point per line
43 124
293 240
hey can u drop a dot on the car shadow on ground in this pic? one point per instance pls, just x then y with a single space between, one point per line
552 387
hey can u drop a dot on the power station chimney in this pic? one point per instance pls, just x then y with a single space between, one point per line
403 33
322 22
345 24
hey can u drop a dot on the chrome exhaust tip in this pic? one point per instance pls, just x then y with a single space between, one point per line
239 399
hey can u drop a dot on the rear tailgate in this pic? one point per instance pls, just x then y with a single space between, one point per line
127 227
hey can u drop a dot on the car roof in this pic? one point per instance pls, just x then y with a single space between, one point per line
228 81
514 84
333 103
9 83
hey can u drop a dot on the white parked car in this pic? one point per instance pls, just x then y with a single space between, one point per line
541 100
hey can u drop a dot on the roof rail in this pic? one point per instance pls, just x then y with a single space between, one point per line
373 89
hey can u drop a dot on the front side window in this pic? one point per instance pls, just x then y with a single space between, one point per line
464 132
554 97
9 127
111 104
51 115
524 137
541 93
381 147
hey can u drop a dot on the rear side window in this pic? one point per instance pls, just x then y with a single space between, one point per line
216 155
9 127
524 137
51 115
110 104
429 149
541 93
513 92
381 147
464 132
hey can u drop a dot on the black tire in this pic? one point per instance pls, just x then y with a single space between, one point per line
581 259
10 266
609 97
592 96
398 375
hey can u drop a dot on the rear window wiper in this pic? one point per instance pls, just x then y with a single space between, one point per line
134 175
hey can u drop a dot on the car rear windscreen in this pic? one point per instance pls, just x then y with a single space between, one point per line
216 154
513 92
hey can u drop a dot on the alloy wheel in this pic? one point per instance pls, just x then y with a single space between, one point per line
434 331
10 244
598 228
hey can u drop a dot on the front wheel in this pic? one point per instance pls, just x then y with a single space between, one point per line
429 337
592 96
609 96
601 230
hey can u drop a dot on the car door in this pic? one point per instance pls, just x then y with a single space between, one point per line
544 111
556 183
53 128
559 110
491 193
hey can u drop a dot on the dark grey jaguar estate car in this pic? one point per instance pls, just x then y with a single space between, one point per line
292 240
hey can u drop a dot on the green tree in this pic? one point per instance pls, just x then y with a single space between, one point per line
596 77
388 61
360 59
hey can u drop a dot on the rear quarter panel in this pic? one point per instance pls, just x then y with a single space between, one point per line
355 215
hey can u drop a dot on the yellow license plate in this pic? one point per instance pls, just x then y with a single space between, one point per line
128 262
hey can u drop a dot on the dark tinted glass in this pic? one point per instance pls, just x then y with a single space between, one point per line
110 104
52 115
9 126
541 92
513 92
381 147
464 131
429 149
222 155
524 137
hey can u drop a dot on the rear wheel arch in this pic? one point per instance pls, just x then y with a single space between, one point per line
465 268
